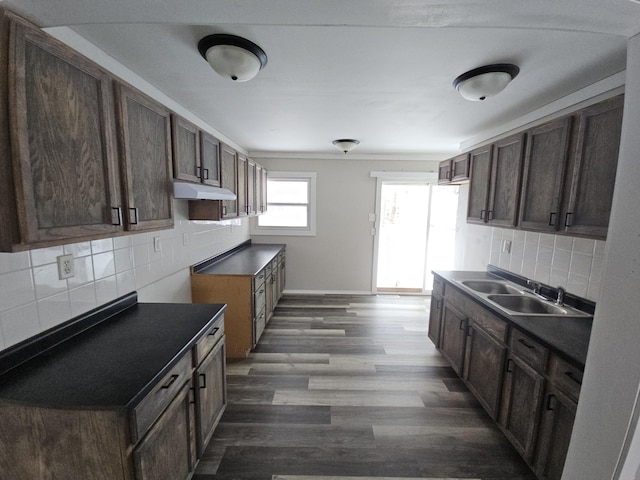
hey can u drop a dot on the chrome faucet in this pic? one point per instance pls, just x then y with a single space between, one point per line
560 299
535 287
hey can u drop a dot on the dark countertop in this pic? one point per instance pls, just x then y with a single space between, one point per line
567 336
113 364
249 259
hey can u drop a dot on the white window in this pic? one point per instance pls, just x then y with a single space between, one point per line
291 207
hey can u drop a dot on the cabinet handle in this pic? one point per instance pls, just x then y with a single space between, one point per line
205 171
552 220
203 383
523 342
171 381
509 365
567 219
261 291
199 172
214 331
490 215
462 323
119 212
572 377
438 304
482 214
192 396
551 402
224 209
135 216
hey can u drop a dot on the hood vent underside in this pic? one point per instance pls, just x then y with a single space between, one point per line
195 191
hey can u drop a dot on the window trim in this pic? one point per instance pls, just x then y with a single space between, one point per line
310 230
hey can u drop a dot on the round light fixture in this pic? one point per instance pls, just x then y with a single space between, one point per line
346 144
232 57
484 82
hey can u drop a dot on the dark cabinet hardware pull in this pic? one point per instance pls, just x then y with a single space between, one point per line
134 221
171 381
462 323
490 215
206 173
551 402
192 396
482 214
567 219
199 172
119 212
523 342
552 220
438 304
573 377
214 331
224 210
509 365
261 291
203 383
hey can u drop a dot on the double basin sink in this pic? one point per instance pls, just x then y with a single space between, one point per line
516 300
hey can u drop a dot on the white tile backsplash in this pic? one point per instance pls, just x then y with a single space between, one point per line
33 298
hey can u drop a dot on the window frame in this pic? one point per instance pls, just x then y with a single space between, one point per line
308 231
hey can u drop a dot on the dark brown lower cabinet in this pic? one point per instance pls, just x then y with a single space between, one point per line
435 319
454 336
484 364
521 402
210 394
168 450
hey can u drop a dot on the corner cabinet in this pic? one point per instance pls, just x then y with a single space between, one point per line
250 281
133 413
60 178
144 141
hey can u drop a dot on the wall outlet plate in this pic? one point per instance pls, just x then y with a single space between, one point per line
65 266
506 246
156 244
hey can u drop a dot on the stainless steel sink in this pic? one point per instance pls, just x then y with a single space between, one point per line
491 287
528 305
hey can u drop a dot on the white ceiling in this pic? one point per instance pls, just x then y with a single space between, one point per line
379 71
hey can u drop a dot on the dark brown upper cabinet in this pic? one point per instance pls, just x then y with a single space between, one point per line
506 178
444 172
480 175
460 168
229 179
144 141
592 172
242 191
185 142
545 163
251 187
209 159
58 166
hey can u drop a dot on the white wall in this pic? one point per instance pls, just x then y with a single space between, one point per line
610 385
339 258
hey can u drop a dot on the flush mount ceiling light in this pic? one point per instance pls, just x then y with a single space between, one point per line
232 57
484 82
346 144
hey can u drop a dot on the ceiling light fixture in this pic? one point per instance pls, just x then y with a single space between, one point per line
484 82
346 144
232 57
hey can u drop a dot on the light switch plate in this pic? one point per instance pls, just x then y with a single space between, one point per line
506 246
65 266
156 244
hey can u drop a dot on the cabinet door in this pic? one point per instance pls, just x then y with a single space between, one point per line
229 179
480 176
453 337
521 404
186 150
594 169
506 177
242 185
263 208
444 172
460 168
210 159
435 319
63 141
144 135
484 364
545 164
282 276
251 187
556 426
259 188
166 452
211 395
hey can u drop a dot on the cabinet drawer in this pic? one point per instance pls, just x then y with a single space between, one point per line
259 298
480 315
151 406
438 286
259 279
208 341
565 377
529 350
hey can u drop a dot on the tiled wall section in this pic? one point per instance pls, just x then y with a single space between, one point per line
33 299
571 262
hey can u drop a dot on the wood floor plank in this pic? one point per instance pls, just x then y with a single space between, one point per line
348 387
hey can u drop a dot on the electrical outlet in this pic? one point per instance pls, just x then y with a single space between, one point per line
65 267
506 246
156 244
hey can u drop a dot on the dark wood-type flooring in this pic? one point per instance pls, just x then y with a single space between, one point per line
350 387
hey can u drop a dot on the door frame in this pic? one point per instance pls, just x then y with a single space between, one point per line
426 178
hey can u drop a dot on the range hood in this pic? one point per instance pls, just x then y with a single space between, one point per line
199 191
